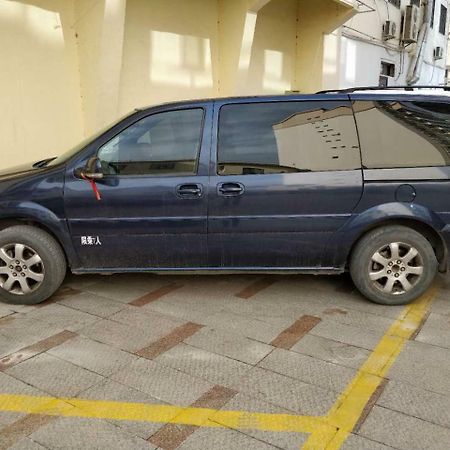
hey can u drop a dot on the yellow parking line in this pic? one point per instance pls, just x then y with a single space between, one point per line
99 409
350 405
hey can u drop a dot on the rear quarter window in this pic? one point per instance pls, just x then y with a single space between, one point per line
403 134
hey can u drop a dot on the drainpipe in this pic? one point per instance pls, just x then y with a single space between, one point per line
417 61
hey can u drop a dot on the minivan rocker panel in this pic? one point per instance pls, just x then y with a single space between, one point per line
299 184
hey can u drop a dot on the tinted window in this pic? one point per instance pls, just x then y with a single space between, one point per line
161 144
286 137
403 134
443 20
433 13
395 2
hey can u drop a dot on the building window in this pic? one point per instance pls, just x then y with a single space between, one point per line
395 2
433 12
383 81
387 69
443 21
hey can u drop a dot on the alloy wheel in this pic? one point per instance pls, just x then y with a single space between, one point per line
396 268
21 269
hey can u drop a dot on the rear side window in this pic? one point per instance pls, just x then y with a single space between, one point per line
287 137
401 134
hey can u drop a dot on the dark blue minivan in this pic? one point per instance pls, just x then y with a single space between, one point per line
321 183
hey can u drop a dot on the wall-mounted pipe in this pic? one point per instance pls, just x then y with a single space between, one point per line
417 61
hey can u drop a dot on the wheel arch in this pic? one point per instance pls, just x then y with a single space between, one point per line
6 222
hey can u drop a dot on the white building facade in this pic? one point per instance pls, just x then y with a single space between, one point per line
389 43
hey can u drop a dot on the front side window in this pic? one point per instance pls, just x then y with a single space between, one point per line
400 134
165 143
286 137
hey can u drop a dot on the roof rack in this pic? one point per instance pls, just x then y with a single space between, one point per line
381 88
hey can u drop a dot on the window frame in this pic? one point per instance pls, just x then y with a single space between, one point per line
166 175
215 170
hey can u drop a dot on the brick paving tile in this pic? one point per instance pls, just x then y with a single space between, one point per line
289 337
369 406
155 295
21 428
171 436
334 311
35 349
256 287
7 319
169 341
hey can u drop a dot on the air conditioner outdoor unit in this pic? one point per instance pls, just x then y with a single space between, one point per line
389 30
438 53
411 24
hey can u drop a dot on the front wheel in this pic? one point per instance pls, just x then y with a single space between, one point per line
32 265
393 265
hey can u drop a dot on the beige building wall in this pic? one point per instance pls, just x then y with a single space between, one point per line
70 67
169 51
40 103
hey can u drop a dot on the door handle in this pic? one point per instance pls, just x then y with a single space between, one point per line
230 189
190 190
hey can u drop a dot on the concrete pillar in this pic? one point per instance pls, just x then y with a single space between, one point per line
231 23
110 63
99 28
237 23
332 60
316 19
246 49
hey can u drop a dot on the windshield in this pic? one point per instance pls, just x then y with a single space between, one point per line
73 151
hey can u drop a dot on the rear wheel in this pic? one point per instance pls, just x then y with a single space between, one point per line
393 265
32 265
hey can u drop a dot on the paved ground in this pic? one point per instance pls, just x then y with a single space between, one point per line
248 358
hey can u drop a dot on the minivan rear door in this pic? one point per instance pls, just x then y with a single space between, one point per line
285 176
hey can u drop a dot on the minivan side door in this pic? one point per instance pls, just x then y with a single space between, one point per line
285 176
153 210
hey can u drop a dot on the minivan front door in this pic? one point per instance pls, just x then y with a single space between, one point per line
153 209
286 176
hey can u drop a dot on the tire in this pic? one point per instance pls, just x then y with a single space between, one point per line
385 270
41 262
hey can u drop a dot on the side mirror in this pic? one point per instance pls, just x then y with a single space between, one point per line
92 170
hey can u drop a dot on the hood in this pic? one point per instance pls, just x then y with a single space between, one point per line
23 169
